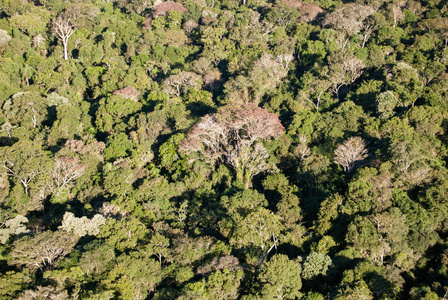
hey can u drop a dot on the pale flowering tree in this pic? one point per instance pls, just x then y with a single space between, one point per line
234 136
180 83
66 170
82 226
350 153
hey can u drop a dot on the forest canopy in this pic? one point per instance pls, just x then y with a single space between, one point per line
205 149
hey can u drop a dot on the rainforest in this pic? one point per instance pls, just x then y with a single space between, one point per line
223 149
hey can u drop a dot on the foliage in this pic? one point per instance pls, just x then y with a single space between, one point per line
82 226
205 149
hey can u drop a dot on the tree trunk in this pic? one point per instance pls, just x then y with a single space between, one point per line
365 40
65 49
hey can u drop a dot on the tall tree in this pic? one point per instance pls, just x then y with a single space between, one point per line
350 153
42 251
24 161
234 135
63 29
261 229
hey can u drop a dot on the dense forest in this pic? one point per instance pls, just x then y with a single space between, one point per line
206 149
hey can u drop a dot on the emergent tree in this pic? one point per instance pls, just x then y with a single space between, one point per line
350 153
234 136
63 29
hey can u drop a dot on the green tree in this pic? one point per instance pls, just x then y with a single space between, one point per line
118 146
13 282
123 234
24 161
28 110
42 251
113 111
97 258
159 246
134 276
224 284
72 120
260 229
315 264
281 278
386 103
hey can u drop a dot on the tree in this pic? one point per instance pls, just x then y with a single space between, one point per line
242 203
344 68
65 172
63 29
350 153
260 229
380 235
113 111
4 37
406 83
13 227
44 292
14 282
158 246
371 24
43 250
315 264
123 234
27 109
82 226
134 276
179 84
234 135
267 73
314 89
284 14
25 161
97 258
369 190
386 103
348 19
280 278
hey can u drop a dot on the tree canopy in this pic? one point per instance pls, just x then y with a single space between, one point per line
203 149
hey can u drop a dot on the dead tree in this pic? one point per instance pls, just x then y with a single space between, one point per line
63 29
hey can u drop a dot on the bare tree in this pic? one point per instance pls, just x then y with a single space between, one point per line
344 69
4 37
350 153
316 86
63 29
285 60
66 171
353 67
348 19
397 13
233 135
178 83
302 150
44 250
